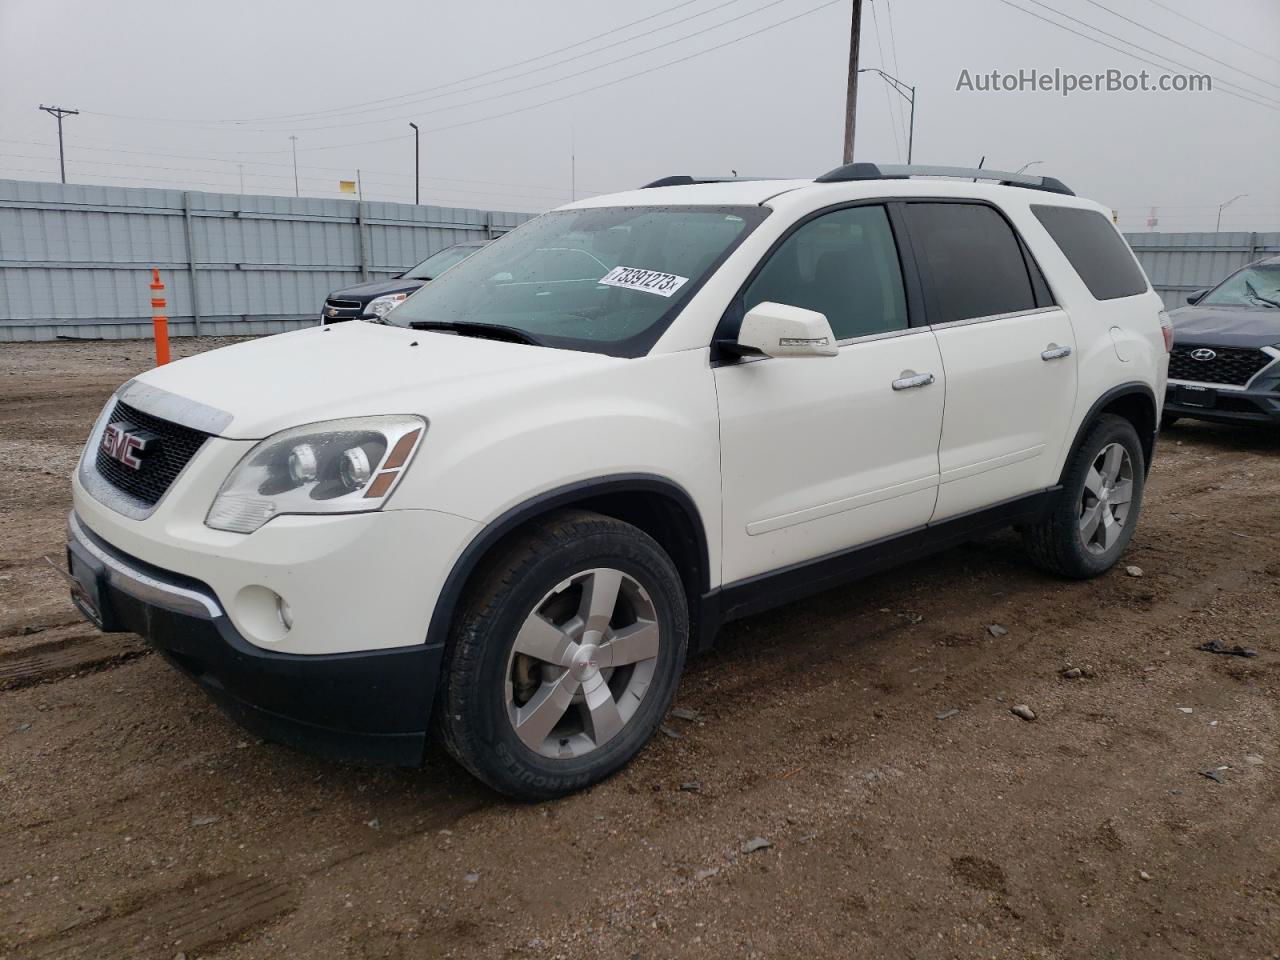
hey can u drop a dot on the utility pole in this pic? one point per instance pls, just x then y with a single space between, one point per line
295 165
851 95
417 169
908 93
1221 207
59 113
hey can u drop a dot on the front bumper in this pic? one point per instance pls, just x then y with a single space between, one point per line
370 706
1222 404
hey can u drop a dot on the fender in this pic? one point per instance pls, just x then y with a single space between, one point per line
1133 388
483 542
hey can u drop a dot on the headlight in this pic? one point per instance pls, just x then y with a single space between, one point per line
339 466
381 306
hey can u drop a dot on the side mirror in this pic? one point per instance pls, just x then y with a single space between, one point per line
1195 296
777 330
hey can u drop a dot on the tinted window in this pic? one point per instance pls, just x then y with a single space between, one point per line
843 265
1096 251
973 260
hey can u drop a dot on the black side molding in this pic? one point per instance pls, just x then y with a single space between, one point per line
769 590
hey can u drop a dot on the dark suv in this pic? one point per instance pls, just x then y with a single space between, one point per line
373 300
1225 364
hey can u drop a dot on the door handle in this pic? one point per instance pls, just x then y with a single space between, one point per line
1055 352
919 380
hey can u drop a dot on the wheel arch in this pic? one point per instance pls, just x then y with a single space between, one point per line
660 507
1136 402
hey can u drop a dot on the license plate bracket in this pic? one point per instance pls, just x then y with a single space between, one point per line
1204 397
86 575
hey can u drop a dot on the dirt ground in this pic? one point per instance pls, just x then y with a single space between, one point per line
865 734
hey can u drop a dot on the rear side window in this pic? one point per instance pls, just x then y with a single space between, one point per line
974 261
1096 251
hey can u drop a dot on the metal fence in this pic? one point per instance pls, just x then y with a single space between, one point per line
75 260
1179 263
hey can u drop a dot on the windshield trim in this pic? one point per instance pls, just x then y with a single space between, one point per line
641 343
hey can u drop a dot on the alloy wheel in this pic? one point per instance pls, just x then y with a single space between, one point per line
582 663
1106 498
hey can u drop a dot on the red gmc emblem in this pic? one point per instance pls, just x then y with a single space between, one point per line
127 446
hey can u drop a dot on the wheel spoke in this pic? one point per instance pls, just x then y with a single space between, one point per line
1089 521
1122 492
535 720
632 644
1110 529
601 717
543 640
1111 463
599 597
1093 482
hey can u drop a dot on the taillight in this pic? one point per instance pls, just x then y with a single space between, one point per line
1166 330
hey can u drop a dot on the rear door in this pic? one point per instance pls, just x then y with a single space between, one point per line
1008 352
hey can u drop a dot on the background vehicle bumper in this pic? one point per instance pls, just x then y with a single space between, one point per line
369 706
1224 406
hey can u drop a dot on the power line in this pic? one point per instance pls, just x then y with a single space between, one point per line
888 103
365 108
1219 33
276 163
893 49
640 73
474 76
546 83
1185 46
1127 53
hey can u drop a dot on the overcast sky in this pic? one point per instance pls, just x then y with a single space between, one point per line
157 80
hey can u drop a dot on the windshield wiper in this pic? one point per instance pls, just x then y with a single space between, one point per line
488 331
1254 294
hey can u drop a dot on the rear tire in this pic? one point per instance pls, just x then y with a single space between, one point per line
565 658
1101 499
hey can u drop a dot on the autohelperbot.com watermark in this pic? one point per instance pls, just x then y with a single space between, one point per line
1067 82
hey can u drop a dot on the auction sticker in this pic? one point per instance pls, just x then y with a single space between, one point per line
650 281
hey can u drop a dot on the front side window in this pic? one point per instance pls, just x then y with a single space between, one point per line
843 265
1255 286
973 259
604 279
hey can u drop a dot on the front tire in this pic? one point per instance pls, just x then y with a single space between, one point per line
565 657
1095 516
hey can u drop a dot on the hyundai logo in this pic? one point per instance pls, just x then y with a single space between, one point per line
1204 353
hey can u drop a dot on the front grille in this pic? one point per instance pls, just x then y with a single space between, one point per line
343 304
1231 365
176 445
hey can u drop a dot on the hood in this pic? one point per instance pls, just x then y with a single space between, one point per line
1226 326
377 288
251 390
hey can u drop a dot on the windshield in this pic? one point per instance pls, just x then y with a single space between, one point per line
607 280
1256 286
439 262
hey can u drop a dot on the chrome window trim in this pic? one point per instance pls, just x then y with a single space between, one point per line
990 318
885 335
143 586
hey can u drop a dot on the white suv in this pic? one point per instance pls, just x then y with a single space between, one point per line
508 512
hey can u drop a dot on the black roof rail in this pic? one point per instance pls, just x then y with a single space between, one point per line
901 171
684 180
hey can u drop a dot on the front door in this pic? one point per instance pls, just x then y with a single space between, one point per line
822 454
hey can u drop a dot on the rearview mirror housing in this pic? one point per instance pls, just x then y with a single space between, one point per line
779 330
1195 296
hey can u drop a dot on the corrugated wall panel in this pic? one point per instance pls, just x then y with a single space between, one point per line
1179 263
75 260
